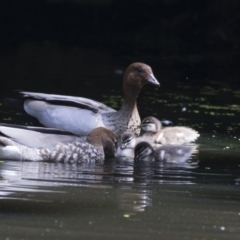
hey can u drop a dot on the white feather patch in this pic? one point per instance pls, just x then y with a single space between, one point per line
159 137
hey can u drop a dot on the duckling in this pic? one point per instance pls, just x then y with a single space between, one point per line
81 115
99 143
168 135
128 143
169 153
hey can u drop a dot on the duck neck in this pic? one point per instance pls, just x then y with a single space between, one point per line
129 106
130 97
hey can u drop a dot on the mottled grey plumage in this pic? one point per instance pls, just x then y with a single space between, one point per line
100 142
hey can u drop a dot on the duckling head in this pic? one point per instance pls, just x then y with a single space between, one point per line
128 140
151 124
144 151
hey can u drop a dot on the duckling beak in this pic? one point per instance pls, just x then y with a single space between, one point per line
152 80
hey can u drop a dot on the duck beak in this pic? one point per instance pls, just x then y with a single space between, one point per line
152 80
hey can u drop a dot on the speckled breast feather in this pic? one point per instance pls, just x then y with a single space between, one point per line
74 152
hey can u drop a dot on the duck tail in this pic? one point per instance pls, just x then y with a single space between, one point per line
9 149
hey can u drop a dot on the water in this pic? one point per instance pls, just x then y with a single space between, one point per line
122 199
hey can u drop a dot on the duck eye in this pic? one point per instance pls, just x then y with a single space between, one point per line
139 69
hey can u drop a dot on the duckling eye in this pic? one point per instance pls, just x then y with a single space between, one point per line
139 69
128 140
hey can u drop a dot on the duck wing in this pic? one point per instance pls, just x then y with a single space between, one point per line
73 114
37 137
72 101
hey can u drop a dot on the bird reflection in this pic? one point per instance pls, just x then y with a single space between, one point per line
111 170
130 178
134 199
63 172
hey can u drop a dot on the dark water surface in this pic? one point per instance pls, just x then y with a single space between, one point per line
121 199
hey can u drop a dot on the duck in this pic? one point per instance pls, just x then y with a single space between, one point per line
127 144
176 135
29 143
169 153
80 115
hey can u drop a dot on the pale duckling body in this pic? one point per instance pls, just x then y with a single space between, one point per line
81 115
169 135
169 153
99 143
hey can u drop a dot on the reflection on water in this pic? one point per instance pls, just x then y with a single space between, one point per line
37 175
118 197
24 176
109 171
197 198
186 199
134 200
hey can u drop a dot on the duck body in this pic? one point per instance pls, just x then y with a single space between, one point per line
81 115
125 153
65 113
57 147
70 118
169 135
38 137
168 153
